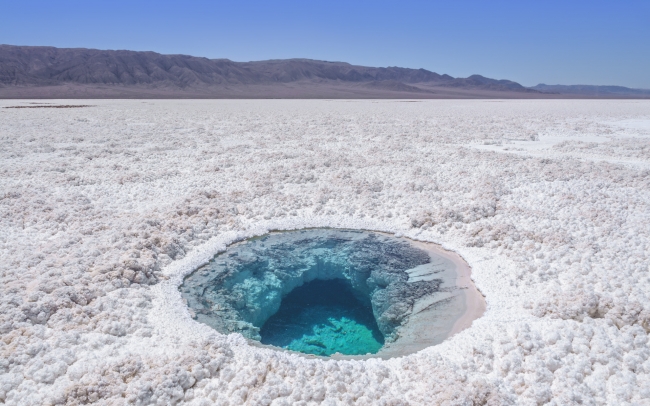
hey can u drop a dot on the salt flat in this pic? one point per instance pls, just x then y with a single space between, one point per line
104 209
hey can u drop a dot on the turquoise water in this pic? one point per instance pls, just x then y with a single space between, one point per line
324 317
318 291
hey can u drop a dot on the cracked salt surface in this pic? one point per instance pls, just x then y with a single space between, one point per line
101 219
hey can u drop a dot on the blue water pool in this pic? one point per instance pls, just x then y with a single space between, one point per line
324 317
317 291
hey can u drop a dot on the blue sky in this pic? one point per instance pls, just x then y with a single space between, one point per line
552 42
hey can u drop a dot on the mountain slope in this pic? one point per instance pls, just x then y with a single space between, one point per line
50 66
589 90
50 72
290 70
481 82
33 72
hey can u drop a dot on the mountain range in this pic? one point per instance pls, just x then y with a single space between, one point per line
590 90
49 72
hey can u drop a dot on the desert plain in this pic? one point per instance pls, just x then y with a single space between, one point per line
104 208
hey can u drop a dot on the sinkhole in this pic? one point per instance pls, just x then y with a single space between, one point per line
335 292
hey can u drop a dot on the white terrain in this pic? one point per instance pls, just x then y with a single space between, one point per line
104 209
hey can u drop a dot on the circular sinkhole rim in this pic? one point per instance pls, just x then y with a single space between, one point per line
464 283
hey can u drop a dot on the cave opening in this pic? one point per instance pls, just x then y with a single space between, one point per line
323 317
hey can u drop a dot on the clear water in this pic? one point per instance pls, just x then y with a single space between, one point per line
324 317
317 291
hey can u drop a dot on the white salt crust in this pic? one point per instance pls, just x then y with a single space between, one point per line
106 208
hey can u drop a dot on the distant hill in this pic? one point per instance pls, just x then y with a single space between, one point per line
42 66
589 90
84 73
480 82
48 72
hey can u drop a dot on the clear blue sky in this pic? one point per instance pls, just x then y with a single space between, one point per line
552 42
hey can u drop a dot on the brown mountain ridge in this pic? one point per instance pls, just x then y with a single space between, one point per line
49 72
